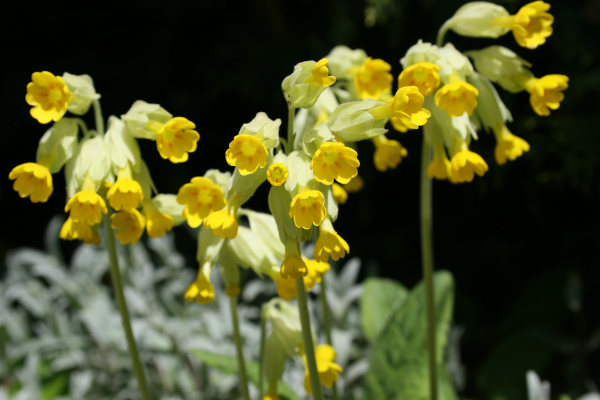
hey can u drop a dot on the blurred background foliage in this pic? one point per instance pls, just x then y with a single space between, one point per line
521 242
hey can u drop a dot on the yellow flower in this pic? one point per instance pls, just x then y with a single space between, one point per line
32 180
49 95
308 208
388 153
508 146
86 207
224 222
233 291
129 224
277 174
247 152
201 197
72 230
456 98
530 26
293 267
286 288
405 110
329 243
423 75
316 270
320 75
440 167
339 193
547 92
125 194
157 223
334 161
328 369
465 164
200 290
176 138
355 184
373 79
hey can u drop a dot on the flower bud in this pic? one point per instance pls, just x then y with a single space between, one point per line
85 93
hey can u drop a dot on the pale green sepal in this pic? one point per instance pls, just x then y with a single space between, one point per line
302 120
138 116
279 205
286 324
263 128
451 60
351 121
314 136
245 186
263 226
490 109
250 251
82 87
274 359
297 93
475 20
448 129
94 160
145 180
122 147
497 63
326 103
228 265
299 172
58 144
342 59
219 178
209 246
167 204
73 182
420 52
330 203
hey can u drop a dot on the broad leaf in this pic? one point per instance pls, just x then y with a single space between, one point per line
381 299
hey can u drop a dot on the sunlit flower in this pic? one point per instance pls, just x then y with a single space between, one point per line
530 26
224 222
508 146
316 270
286 288
125 194
308 208
465 164
49 95
277 174
201 290
547 92
157 223
456 98
72 230
388 153
86 207
129 225
201 197
423 75
405 110
177 138
320 74
326 366
33 180
329 243
293 267
373 79
247 152
339 193
355 184
334 161
440 167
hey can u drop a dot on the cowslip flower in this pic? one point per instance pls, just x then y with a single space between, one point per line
157 223
49 95
277 174
373 79
175 139
87 207
457 98
355 185
201 197
125 194
246 152
320 75
334 160
405 110
530 26
308 209
440 167
388 153
423 75
201 290
329 243
129 225
326 366
339 193
72 230
33 180
224 222
508 146
465 164
546 93
293 266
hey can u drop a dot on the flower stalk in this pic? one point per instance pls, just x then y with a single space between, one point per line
238 347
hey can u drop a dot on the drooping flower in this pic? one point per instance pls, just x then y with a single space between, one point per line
72 230
201 197
334 160
405 110
329 243
286 288
246 152
86 207
373 79
547 92
175 139
224 222
339 193
508 146
201 290
129 225
457 98
355 184
125 194
326 366
423 75
388 153
308 209
49 95
465 164
440 167
530 26
33 180
277 174
293 267
320 75
157 223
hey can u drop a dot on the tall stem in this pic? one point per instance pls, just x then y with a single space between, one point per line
427 259
309 347
122 304
238 347
98 118
290 133
261 357
327 325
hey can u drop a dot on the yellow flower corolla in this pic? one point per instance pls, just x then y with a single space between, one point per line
86 207
320 74
388 153
372 79
277 174
456 98
286 288
72 230
423 75
405 110
308 208
326 366
465 164
339 193
201 197
49 95
246 152
129 225
508 146
224 222
440 167
329 244
530 26
201 290
355 185
316 270
233 291
293 267
547 92
176 138
157 223
33 180
334 160
125 194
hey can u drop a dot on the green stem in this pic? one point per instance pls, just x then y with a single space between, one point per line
290 133
327 325
427 258
309 347
442 33
261 357
122 304
238 347
98 117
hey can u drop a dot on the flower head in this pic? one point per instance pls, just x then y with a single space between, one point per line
328 369
456 98
129 225
320 74
308 208
224 222
49 95
247 152
547 92
530 26
329 244
440 167
200 290
286 288
32 180
405 110
177 138
373 79
293 267
201 197
508 146
465 164
334 160
72 230
86 207
423 75
388 153
125 194
157 223
277 174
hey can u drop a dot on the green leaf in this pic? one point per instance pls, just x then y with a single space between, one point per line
381 299
56 386
399 364
229 365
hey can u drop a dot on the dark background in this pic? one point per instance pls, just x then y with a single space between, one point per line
520 241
